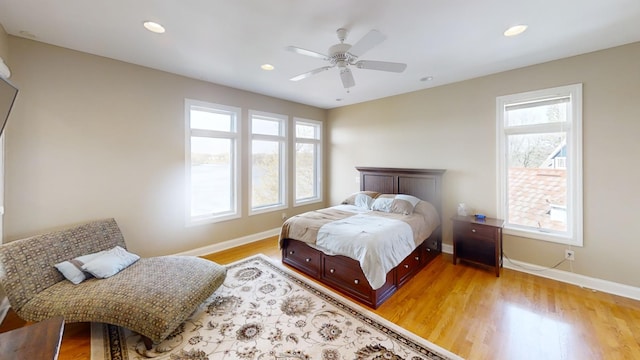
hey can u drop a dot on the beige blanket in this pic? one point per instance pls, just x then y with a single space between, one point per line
304 227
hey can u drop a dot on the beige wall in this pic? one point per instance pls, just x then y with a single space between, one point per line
453 127
4 44
92 137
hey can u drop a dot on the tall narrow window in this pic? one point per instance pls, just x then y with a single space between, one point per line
268 161
540 164
308 161
212 144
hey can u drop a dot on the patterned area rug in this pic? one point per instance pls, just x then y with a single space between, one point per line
265 311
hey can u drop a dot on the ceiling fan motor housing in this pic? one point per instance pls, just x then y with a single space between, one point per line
338 55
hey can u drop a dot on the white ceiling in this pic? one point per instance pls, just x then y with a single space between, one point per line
226 41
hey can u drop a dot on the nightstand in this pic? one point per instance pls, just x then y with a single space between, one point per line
37 341
479 241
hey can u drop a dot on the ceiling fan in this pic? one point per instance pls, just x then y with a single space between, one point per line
344 56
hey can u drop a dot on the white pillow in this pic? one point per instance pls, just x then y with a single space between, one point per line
72 269
351 199
110 262
382 204
363 201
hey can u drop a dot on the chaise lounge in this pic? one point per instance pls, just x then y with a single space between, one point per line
152 296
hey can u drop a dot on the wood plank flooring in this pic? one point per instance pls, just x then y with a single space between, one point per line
467 310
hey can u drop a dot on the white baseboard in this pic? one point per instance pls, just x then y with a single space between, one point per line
225 245
447 249
583 281
554 274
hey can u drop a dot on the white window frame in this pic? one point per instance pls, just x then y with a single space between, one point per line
573 128
234 135
283 141
317 161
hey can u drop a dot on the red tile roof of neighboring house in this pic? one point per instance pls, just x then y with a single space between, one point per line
532 191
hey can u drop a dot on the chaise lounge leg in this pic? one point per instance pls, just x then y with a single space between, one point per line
148 344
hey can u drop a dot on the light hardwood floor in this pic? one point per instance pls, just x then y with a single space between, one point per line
467 310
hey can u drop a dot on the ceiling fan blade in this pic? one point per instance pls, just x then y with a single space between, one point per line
310 73
373 38
381 65
347 78
306 52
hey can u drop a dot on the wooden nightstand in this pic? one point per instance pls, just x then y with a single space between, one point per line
479 241
37 341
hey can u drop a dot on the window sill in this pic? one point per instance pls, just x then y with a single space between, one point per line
267 209
307 202
204 220
544 236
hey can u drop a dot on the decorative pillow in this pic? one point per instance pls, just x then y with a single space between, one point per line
412 199
363 201
72 269
400 206
427 211
391 205
351 199
110 262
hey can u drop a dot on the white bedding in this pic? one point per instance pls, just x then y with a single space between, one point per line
348 230
379 244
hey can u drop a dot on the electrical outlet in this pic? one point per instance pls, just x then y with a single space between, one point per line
569 255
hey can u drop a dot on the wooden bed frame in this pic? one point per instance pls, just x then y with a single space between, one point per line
344 274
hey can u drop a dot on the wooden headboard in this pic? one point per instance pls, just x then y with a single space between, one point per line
425 184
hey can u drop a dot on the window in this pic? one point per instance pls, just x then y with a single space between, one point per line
212 144
308 161
268 161
540 164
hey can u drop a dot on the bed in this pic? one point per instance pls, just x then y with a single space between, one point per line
344 273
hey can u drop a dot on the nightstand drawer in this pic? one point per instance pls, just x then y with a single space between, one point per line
475 230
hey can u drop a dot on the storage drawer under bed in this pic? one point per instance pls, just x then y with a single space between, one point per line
303 257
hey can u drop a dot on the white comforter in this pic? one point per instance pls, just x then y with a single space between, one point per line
348 230
379 244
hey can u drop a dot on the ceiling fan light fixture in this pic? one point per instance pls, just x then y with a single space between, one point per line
343 56
515 30
153 27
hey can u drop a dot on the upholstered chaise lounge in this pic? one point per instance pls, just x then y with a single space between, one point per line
151 297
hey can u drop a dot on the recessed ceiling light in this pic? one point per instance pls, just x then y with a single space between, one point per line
154 27
267 67
515 30
427 78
